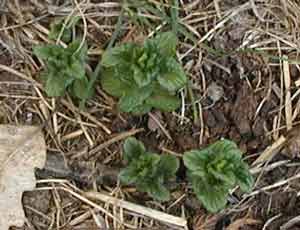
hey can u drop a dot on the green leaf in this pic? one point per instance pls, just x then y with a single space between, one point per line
175 15
147 171
140 170
141 109
168 166
163 101
133 99
213 198
145 167
144 76
196 160
158 191
73 47
142 79
55 86
113 85
55 30
128 175
167 43
77 51
174 78
46 51
118 55
229 148
82 54
133 149
76 70
65 69
227 177
80 89
215 170
244 177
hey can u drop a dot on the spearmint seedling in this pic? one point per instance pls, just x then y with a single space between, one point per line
144 76
147 171
65 69
215 170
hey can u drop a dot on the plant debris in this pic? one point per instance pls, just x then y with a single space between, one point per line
22 149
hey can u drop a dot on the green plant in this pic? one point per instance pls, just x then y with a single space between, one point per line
147 171
134 8
215 170
60 29
145 76
65 69
162 15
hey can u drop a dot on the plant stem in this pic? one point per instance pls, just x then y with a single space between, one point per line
117 30
174 16
97 71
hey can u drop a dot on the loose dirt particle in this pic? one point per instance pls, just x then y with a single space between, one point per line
243 110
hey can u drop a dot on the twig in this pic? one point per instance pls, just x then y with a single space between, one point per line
105 175
85 114
160 126
161 216
83 199
275 185
109 142
19 74
269 221
270 151
288 102
290 223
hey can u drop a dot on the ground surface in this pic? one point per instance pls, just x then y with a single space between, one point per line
242 49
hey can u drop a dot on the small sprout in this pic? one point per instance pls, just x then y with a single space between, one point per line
145 76
65 69
215 170
147 171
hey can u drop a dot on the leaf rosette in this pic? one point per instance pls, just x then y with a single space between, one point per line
144 76
148 171
215 170
65 69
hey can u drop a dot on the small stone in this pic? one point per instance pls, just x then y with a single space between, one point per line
215 92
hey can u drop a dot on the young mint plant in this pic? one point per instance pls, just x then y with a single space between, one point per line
147 171
144 76
65 69
215 170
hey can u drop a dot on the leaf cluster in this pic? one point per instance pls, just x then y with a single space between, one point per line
65 69
148 171
144 76
215 170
